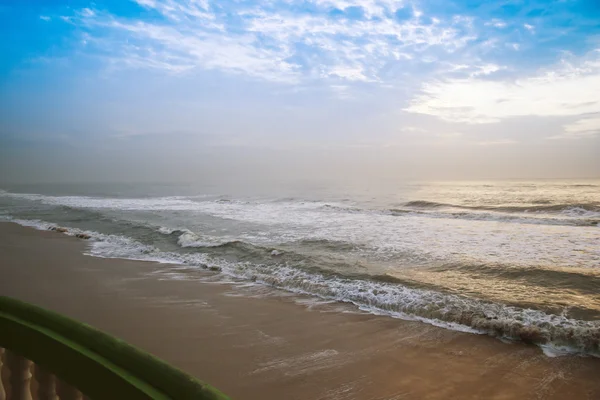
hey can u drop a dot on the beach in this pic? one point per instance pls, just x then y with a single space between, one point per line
325 199
253 342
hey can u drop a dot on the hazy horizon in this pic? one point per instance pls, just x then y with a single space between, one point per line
318 90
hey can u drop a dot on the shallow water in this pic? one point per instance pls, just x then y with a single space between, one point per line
514 259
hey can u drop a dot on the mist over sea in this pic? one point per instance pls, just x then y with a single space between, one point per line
519 260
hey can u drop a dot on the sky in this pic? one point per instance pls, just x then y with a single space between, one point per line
181 89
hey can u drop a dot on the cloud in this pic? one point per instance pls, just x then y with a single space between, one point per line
350 73
273 41
413 129
371 8
496 23
45 18
476 70
178 10
87 12
570 89
583 128
342 92
487 69
169 48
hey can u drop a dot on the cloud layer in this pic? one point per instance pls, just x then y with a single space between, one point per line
461 64
282 42
440 75
566 90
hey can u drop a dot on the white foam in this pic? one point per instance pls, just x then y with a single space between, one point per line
166 231
557 351
106 246
31 223
566 217
191 239
415 238
580 212
172 203
375 297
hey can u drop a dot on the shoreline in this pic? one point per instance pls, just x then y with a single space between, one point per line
251 343
565 336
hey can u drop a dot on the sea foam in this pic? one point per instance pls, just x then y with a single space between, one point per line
556 334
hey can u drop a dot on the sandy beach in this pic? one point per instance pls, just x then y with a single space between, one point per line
256 343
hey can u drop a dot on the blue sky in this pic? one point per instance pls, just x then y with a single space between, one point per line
441 76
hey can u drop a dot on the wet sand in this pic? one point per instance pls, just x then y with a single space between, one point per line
256 343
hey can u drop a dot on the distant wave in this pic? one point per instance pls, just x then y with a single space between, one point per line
179 203
551 208
514 218
426 204
568 215
379 296
578 214
170 203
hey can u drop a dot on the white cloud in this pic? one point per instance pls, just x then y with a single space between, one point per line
568 90
280 45
87 12
582 128
168 48
384 39
372 8
496 23
479 70
488 69
413 129
45 18
178 10
530 28
352 74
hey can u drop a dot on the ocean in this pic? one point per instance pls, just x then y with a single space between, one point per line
518 260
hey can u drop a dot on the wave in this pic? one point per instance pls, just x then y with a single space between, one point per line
587 214
170 203
166 231
577 214
557 208
570 216
326 244
381 296
188 238
509 218
425 204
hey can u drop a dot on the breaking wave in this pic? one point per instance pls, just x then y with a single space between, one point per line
575 208
375 295
540 212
